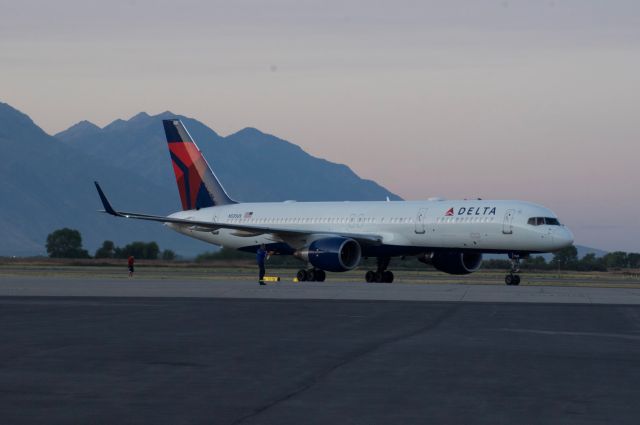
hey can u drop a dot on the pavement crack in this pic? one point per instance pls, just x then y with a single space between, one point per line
574 333
350 358
464 296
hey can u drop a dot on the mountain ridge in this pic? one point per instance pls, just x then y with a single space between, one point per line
50 185
238 159
81 127
40 203
49 179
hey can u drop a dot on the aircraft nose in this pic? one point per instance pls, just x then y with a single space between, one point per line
563 238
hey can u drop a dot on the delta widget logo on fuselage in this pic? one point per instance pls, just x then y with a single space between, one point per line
471 211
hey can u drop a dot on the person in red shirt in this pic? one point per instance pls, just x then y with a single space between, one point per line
131 261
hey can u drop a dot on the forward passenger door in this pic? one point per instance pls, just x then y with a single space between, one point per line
507 224
421 217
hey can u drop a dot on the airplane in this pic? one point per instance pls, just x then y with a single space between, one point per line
335 236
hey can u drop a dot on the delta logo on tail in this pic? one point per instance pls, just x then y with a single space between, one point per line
471 211
198 186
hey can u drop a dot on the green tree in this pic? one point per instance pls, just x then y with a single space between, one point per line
65 243
151 251
206 257
566 258
168 255
224 254
107 250
616 260
591 263
536 263
139 249
492 264
633 260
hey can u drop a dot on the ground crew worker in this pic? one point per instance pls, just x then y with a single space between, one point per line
130 263
261 254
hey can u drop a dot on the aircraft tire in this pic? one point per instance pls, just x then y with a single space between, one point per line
508 279
378 277
369 276
516 280
302 275
387 276
311 275
320 275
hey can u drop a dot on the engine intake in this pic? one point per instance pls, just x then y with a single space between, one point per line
333 254
456 262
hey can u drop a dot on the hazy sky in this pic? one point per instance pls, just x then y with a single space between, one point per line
534 100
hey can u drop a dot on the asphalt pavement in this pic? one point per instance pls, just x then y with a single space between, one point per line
242 360
334 290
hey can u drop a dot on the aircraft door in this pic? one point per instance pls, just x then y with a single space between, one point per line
352 221
421 217
507 224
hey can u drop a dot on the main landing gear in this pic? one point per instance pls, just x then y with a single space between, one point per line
381 274
311 275
512 278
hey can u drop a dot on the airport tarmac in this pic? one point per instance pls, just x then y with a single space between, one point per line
197 352
61 286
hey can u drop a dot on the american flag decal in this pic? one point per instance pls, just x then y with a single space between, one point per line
248 214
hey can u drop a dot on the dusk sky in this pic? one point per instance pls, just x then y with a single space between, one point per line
531 100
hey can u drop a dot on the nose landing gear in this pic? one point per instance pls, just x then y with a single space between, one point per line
512 278
381 274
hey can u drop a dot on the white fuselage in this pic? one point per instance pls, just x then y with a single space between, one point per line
404 226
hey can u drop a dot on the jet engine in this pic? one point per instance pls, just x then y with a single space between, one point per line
456 262
332 254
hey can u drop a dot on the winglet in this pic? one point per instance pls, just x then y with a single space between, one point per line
105 202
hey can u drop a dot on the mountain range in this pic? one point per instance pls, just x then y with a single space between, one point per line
46 182
253 166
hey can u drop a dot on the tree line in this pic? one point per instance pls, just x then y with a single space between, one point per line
567 259
67 243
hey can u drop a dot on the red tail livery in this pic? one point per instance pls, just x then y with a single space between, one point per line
198 185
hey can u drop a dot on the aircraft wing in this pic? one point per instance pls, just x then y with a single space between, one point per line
250 229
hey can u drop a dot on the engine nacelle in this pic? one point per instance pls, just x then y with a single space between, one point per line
333 254
456 262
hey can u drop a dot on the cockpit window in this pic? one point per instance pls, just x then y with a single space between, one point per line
539 221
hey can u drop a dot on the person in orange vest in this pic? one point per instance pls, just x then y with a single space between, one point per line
131 261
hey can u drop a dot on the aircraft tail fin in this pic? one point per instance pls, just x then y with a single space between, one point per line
198 185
